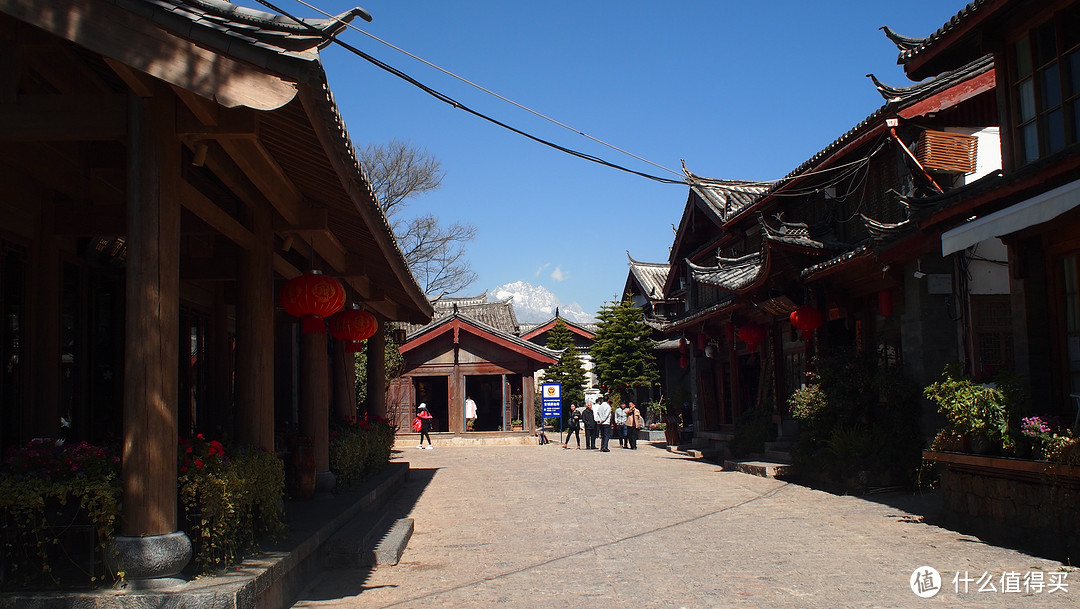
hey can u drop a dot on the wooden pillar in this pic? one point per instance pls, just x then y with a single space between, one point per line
528 402
255 337
315 403
376 371
153 290
45 421
344 381
220 370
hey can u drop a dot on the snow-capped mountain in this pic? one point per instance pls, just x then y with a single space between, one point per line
536 304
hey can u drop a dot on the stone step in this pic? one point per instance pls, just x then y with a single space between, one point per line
765 469
780 456
391 546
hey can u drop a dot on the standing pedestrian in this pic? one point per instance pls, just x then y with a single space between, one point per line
634 422
620 424
425 425
573 426
588 418
602 412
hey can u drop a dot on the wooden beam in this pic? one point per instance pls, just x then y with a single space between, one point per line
136 81
64 118
208 211
137 41
225 123
310 220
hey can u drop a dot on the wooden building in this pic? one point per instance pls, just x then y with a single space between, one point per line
168 165
471 350
843 237
1024 219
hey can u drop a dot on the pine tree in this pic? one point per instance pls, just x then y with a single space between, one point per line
623 350
568 371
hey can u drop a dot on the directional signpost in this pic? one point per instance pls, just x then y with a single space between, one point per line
551 402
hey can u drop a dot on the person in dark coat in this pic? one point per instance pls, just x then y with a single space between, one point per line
591 428
573 426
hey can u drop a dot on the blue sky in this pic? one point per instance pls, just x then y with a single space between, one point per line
739 90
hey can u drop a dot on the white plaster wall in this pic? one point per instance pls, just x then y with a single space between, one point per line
989 277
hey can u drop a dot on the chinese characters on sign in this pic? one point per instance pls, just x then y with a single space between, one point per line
926 582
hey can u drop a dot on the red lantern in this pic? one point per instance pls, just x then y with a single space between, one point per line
353 326
752 334
701 339
884 303
312 297
683 346
807 319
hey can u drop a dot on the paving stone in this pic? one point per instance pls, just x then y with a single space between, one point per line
540 526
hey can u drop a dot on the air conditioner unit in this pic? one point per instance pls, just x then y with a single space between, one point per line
943 151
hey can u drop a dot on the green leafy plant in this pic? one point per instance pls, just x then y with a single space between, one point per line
230 501
857 414
359 447
47 487
973 409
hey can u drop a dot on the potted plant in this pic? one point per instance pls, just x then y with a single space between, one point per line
517 425
977 412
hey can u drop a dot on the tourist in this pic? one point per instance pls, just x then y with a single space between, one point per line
588 418
620 424
602 412
634 422
573 426
425 425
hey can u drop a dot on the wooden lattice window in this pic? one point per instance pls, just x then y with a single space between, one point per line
991 324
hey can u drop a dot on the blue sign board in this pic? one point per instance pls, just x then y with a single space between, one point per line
551 399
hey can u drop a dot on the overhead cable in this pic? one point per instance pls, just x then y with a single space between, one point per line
489 91
453 102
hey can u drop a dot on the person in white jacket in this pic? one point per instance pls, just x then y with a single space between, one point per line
602 411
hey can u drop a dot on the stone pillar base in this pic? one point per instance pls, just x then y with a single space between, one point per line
150 562
325 482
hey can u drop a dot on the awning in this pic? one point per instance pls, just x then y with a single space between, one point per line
1036 210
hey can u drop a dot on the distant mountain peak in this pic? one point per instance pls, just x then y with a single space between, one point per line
534 304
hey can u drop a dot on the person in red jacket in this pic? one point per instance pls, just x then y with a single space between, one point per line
425 425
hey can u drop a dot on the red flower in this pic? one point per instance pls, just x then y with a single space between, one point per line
198 462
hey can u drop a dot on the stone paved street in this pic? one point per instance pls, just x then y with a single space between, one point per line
539 526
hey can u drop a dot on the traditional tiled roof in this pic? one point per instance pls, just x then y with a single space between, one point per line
932 85
650 276
726 198
449 302
498 314
884 231
734 274
287 48
919 92
487 328
801 235
858 252
251 27
911 47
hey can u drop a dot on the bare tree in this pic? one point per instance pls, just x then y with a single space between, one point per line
397 172
436 254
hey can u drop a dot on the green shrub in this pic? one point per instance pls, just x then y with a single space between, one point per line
359 448
857 414
229 502
974 409
45 488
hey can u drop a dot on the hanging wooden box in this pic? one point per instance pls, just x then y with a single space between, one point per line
947 151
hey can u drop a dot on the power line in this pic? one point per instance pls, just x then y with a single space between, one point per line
489 91
453 102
